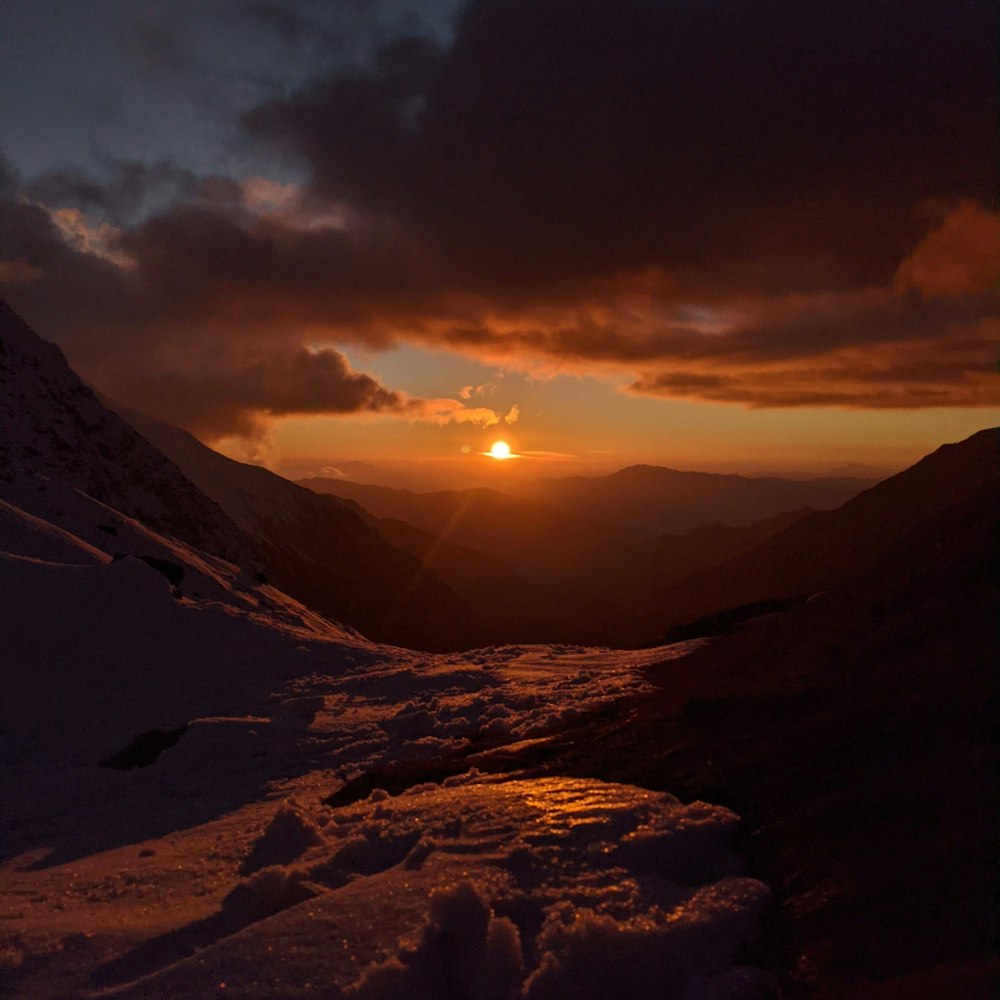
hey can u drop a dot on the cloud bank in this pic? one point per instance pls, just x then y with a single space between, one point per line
770 205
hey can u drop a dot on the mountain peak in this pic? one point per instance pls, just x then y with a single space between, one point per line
53 426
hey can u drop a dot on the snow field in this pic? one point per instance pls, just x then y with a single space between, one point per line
218 871
487 888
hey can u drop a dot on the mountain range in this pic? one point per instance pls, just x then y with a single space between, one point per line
194 726
576 559
658 500
829 548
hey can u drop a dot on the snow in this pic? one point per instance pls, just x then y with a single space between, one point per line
52 426
217 866
220 862
487 888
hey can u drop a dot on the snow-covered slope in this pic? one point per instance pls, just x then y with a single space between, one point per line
541 889
53 426
218 861
322 551
182 744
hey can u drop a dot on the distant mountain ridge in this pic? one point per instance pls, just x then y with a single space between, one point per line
855 470
659 500
584 580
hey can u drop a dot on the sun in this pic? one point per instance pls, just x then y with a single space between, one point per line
500 450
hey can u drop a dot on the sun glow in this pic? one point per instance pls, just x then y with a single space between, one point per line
500 450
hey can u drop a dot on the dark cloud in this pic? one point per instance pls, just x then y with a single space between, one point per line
120 324
9 180
221 393
768 203
158 47
764 144
73 291
951 374
345 32
134 190
281 18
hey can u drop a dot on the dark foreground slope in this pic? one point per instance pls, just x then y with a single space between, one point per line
856 735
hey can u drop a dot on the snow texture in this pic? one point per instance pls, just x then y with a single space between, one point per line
491 889
218 870
168 880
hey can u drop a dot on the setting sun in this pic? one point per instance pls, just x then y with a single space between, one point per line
500 450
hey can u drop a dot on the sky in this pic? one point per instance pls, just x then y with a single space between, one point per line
713 234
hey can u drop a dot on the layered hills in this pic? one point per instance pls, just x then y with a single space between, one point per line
207 781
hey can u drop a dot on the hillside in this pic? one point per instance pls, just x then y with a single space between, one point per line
858 736
829 547
535 538
53 427
539 574
324 553
636 582
573 579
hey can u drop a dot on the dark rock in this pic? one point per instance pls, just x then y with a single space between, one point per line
144 749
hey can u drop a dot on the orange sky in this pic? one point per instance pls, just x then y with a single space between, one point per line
710 235
570 425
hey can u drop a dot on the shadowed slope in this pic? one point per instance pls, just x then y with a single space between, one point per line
322 552
856 735
831 546
52 425
584 581
535 538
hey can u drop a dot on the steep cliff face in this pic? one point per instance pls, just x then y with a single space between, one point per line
54 428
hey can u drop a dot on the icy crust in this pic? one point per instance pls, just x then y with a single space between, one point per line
413 706
474 890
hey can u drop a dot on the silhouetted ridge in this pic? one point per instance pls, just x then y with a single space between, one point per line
54 426
659 500
324 553
829 548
